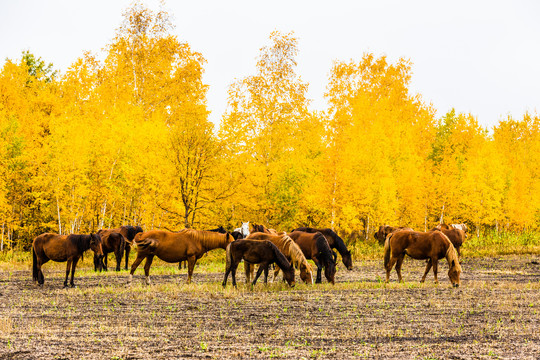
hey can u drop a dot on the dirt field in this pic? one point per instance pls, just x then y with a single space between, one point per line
494 314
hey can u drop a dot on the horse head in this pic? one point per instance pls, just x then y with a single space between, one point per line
454 270
306 273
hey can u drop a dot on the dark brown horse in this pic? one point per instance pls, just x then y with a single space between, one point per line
62 248
111 242
173 247
335 242
261 252
384 230
128 232
290 249
263 229
433 245
315 247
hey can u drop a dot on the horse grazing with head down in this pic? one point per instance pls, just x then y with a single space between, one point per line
290 249
62 248
173 247
433 245
315 247
335 242
257 252
385 230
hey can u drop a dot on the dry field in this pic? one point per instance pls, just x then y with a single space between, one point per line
494 314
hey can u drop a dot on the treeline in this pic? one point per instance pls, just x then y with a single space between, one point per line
127 140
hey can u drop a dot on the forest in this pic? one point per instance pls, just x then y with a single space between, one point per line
125 138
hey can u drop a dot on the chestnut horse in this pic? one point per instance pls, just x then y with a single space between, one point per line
315 247
111 242
263 229
128 232
256 252
220 230
335 242
433 245
173 247
290 249
385 230
62 248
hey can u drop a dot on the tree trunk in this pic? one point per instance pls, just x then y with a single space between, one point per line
2 243
58 212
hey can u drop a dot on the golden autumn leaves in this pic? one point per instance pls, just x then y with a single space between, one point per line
128 140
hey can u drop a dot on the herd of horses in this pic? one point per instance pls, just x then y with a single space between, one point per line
261 246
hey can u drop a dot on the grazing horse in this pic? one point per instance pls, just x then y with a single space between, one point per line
257 252
111 242
172 247
244 229
335 242
384 230
290 249
315 247
433 245
62 248
128 232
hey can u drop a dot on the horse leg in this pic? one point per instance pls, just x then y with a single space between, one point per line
276 272
134 266
266 274
259 272
234 266
398 267
389 267
105 262
435 266
68 269
191 266
40 277
73 266
319 270
248 269
127 250
147 265
428 267
96 259
118 255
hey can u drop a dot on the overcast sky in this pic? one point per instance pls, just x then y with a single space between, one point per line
480 57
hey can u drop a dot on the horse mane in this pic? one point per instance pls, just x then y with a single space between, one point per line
208 239
340 244
82 242
451 255
281 260
297 256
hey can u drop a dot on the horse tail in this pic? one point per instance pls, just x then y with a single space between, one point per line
34 265
387 249
228 257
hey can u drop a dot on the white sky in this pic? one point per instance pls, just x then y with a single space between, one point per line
481 57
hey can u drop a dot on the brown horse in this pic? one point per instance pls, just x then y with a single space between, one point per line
290 249
335 242
173 247
257 252
385 230
111 242
62 248
128 232
220 230
264 229
433 245
456 236
315 247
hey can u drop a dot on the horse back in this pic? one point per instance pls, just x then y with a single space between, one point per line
53 246
419 245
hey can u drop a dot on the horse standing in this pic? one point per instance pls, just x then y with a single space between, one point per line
290 249
128 232
111 242
433 245
456 236
256 252
244 229
62 248
335 242
173 247
315 247
220 230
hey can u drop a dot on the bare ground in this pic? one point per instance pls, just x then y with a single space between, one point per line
494 314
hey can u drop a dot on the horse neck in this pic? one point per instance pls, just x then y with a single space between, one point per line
324 248
296 254
211 240
281 260
340 244
81 242
451 254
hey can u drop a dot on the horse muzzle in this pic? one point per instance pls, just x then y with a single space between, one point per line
455 285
